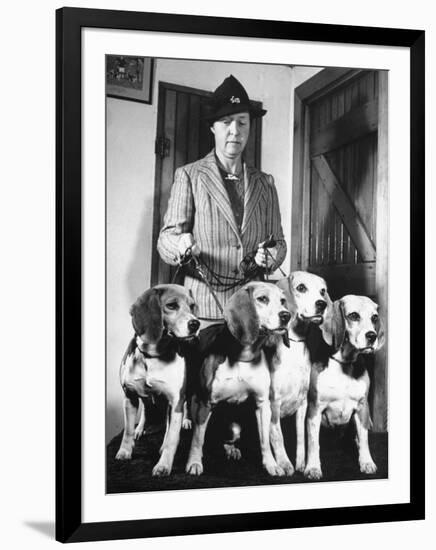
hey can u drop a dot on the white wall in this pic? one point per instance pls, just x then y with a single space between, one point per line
131 131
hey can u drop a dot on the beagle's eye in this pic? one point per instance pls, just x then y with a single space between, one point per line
173 306
192 307
263 299
283 302
374 318
301 288
354 316
322 292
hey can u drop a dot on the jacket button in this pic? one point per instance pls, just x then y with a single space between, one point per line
236 271
237 246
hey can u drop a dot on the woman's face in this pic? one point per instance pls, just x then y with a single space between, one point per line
231 134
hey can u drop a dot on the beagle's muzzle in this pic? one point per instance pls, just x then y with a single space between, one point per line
309 293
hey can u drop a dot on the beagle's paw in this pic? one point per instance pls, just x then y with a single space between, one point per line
123 454
274 469
368 467
313 473
232 452
161 470
187 424
300 465
286 466
139 432
194 469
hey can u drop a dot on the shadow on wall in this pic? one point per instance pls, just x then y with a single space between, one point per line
139 270
114 417
137 281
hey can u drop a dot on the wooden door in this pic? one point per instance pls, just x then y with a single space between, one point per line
340 210
182 137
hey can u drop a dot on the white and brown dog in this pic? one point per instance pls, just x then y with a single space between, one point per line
290 362
162 318
234 366
339 389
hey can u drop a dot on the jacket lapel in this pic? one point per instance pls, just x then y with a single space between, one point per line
215 187
253 191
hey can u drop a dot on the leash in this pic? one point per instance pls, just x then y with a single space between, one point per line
188 257
247 265
270 243
273 259
204 278
184 260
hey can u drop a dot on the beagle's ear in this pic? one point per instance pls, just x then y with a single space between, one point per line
328 300
286 285
195 310
333 327
328 322
241 317
380 329
329 310
146 315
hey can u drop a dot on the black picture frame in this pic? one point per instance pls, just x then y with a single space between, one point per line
132 88
69 23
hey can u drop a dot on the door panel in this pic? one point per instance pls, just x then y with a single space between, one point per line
340 193
343 157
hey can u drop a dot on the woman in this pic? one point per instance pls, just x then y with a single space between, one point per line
222 209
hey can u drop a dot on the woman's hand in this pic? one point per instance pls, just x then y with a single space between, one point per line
187 241
260 257
263 258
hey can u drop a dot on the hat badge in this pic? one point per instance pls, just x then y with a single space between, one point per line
234 99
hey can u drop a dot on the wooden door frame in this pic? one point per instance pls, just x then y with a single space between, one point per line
323 82
163 87
305 94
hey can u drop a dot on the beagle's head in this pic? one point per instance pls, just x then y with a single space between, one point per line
164 307
309 293
356 323
256 307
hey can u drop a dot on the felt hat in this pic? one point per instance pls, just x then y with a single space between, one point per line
229 98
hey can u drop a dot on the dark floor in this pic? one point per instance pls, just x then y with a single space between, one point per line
338 458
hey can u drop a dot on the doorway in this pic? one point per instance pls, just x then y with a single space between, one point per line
340 193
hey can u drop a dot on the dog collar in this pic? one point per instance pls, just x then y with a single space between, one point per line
147 355
341 362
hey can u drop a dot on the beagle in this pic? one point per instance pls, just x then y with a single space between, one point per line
163 318
290 364
339 390
234 366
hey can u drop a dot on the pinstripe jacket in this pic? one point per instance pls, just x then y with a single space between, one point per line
199 204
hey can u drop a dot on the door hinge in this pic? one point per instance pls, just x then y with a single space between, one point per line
162 147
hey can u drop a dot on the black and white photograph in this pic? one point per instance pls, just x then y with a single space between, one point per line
247 255
240 258
218 265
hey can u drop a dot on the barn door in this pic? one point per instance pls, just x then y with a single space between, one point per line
182 137
340 189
